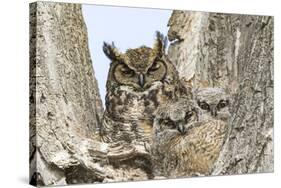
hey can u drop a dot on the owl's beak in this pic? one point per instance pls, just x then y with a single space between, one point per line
214 111
141 80
181 128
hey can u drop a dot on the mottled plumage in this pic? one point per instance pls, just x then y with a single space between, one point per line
187 139
138 81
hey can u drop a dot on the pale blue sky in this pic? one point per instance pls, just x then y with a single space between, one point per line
127 27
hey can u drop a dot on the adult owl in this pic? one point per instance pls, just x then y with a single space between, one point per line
184 142
138 81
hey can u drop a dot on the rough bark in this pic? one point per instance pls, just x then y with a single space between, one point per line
234 52
65 105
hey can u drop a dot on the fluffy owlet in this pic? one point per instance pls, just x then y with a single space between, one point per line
213 103
138 81
184 143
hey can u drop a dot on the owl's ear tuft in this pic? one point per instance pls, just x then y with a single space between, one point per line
160 44
111 51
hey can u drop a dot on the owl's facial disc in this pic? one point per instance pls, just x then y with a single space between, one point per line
210 108
125 75
140 79
182 121
168 123
189 121
222 104
181 128
203 105
156 72
213 108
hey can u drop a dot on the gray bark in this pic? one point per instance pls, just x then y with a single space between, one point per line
234 52
65 105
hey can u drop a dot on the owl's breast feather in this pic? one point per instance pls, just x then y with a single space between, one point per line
200 148
130 104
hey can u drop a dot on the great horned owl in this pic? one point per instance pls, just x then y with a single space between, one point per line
183 143
138 81
213 103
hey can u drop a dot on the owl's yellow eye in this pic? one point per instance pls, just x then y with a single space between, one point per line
127 71
155 66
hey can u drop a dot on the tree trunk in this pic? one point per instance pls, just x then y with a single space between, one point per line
65 105
234 52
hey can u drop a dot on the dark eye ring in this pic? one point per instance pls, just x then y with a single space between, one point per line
154 67
169 123
222 104
189 114
128 72
204 106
